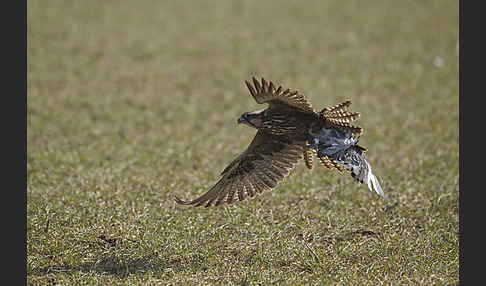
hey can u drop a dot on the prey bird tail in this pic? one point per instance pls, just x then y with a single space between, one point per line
373 183
338 148
354 160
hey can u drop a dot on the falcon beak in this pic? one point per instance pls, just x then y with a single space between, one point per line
242 119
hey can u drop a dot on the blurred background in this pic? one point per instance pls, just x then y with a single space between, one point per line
132 102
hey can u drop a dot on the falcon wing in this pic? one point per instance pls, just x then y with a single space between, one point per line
265 92
265 163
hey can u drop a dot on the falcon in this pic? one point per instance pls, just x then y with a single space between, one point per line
289 129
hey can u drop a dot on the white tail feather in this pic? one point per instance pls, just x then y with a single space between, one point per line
373 183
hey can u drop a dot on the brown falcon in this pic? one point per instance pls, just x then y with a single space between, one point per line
288 130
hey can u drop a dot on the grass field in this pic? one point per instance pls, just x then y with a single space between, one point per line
132 103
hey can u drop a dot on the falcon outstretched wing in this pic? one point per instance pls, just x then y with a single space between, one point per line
266 92
265 163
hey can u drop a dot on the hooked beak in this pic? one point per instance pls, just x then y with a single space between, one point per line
242 119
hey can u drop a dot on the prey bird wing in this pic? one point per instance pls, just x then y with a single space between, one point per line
267 160
267 92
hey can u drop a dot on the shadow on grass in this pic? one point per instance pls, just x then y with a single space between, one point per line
114 265
160 264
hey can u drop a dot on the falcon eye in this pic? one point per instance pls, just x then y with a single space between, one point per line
264 113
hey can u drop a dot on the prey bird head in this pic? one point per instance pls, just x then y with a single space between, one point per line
253 119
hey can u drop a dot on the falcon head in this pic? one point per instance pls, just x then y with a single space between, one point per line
253 119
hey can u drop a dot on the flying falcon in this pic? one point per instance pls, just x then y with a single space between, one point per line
289 129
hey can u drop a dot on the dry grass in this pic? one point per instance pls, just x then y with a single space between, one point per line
130 104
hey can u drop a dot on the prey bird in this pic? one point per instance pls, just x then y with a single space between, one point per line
289 129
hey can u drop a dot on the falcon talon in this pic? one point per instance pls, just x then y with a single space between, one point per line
313 143
288 130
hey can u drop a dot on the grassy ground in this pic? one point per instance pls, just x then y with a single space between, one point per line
130 104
